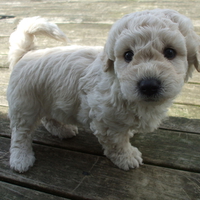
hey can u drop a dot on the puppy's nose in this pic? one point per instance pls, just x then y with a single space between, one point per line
149 86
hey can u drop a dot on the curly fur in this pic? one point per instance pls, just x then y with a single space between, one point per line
95 86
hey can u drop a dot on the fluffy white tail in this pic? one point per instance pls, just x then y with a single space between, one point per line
22 39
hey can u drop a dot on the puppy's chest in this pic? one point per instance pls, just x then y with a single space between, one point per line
139 121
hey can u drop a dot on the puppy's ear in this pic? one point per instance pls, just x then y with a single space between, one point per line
197 59
193 49
108 65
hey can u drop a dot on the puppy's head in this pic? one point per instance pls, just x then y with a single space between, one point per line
153 53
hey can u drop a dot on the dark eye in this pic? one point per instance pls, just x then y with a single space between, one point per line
128 56
169 53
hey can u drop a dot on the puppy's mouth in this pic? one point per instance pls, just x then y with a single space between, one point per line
150 89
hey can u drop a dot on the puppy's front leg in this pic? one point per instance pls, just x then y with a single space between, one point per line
21 152
119 150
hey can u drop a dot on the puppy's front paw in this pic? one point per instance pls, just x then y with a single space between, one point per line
21 160
126 158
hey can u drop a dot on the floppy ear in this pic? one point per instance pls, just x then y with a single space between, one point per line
193 48
114 33
108 65
197 59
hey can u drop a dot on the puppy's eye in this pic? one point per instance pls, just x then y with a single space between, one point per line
128 56
169 53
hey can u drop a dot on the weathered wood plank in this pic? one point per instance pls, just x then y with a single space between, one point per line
4 60
162 147
11 192
70 174
59 170
4 76
94 8
187 111
96 13
182 124
104 12
189 95
195 77
170 149
78 34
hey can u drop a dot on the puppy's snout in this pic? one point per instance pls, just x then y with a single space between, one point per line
149 87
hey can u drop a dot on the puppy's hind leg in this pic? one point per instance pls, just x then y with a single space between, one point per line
58 129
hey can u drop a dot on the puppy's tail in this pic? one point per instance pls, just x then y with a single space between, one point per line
22 39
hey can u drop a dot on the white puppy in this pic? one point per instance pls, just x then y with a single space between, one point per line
124 88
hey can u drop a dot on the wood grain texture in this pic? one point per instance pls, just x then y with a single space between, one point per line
182 124
189 95
185 110
13 192
76 168
167 148
95 14
70 173
170 149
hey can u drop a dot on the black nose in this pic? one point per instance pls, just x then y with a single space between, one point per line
149 86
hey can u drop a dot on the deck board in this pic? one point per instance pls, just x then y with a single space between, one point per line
10 192
69 173
76 168
167 148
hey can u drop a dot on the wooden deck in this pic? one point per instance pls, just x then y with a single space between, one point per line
76 168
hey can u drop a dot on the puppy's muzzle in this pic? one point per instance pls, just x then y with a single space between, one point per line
149 87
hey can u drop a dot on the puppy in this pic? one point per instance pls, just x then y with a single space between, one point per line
123 88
